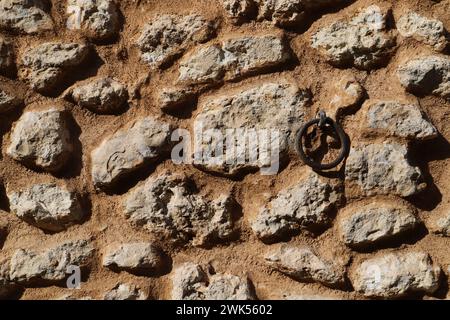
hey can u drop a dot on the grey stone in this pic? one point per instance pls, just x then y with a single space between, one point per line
302 264
139 257
363 42
281 106
307 205
46 66
426 75
174 98
396 275
8 101
441 225
429 31
41 139
168 36
49 266
7 57
102 95
190 282
25 16
396 119
239 10
167 206
98 19
383 168
233 58
47 206
125 291
129 149
371 224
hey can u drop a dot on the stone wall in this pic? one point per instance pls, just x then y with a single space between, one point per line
91 91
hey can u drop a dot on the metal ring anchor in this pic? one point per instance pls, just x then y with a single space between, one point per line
321 121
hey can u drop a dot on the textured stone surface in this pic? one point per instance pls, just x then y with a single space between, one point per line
8 101
25 16
168 206
138 257
47 206
383 169
363 42
348 96
174 98
426 75
125 291
395 275
239 10
51 265
190 282
302 264
168 36
41 139
7 63
46 66
233 58
98 19
281 106
429 31
371 224
392 118
141 143
103 95
441 225
307 205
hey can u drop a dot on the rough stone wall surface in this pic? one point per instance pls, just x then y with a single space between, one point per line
88 101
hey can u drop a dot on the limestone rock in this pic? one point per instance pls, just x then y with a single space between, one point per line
396 275
383 169
429 31
41 139
426 75
168 36
47 206
363 42
280 106
190 282
167 205
25 16
50 266
239 10
349 95
124 291
103 95
8 102
7 63
46 66
307 205
141 143
139 257
98 19
441 225
233 58
173 98
376 222
396 119
302 264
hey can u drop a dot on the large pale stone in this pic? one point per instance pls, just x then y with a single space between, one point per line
307 205
363 42
376 222
392 118
41 139
25 16
383 169
98 19
126 151
51 265
302 264
429 31
125 291
168 36
46 66
426 75
47 206
190 282
233 58
395 275
248 117
441 225
167 205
